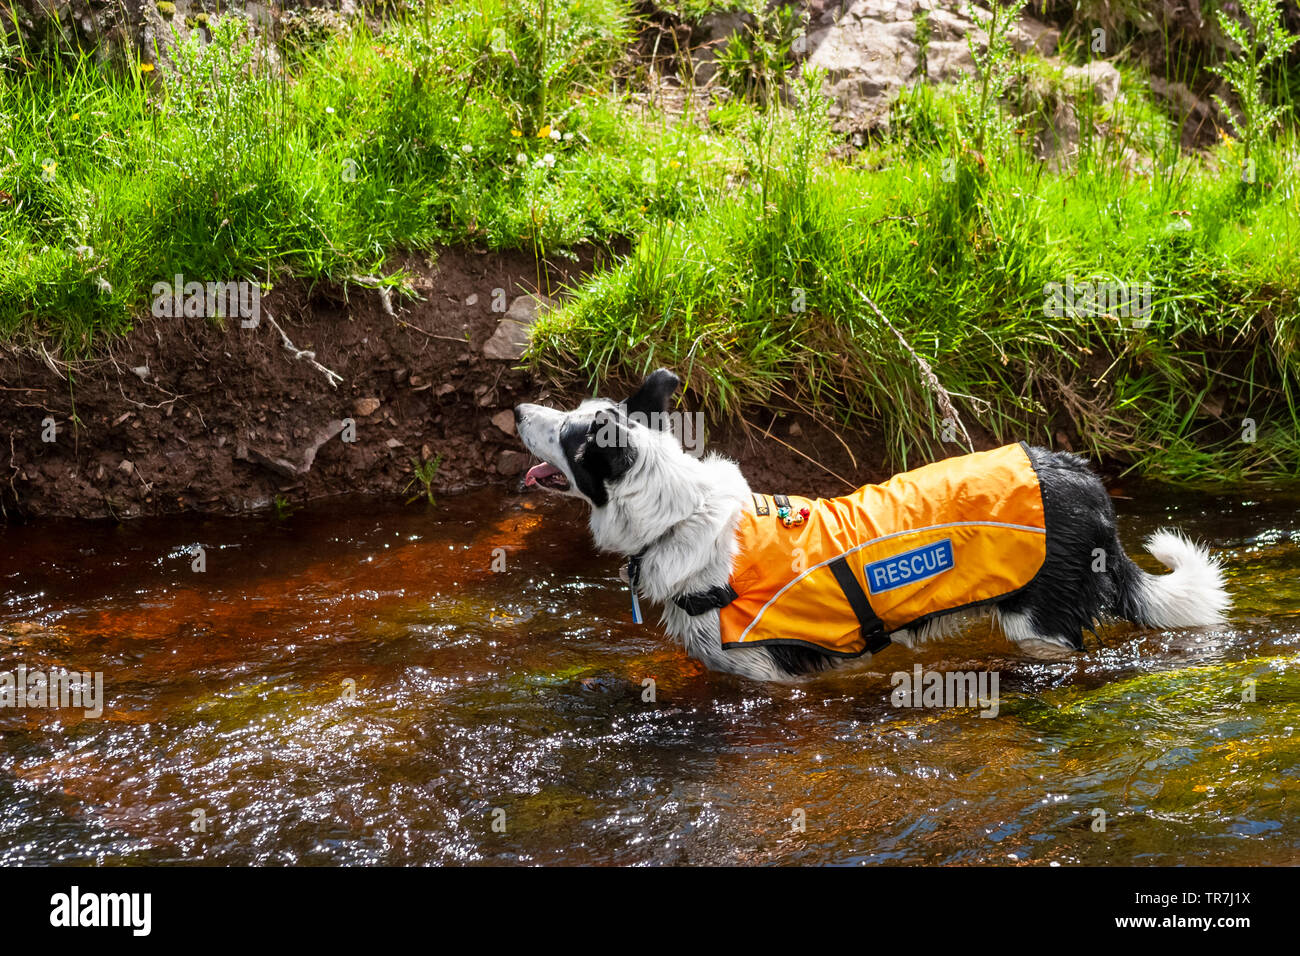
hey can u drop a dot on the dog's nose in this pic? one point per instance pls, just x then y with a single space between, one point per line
525 412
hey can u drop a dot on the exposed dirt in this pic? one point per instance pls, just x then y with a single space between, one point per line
220 404
226 418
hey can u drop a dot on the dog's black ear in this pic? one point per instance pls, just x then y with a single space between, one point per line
653 397
608 453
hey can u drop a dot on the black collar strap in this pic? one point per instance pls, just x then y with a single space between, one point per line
695 603
634 567
698 602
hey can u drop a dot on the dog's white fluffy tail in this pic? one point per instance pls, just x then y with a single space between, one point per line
1192 595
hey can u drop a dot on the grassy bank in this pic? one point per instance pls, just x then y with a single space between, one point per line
959 270
960 233
516 125
462 122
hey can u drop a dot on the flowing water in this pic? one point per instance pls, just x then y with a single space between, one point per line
358 683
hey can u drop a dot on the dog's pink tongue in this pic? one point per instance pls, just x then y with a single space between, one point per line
539 471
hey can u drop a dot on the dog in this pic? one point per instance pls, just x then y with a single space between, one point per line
1033 544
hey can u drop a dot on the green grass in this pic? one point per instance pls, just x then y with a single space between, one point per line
423 475
431 132
960 268
518 125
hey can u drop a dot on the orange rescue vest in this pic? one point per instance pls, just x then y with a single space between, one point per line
841 574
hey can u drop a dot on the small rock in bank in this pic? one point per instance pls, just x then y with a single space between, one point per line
1099 75
510 339
1030 34
365 407
711 34
505 420
870 52
1201 119
511 462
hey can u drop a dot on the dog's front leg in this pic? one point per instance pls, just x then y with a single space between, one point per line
701 636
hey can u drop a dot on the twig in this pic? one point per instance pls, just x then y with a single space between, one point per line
131 401
927 373
853 459
118 366
13 488
432 335
876 222
768 434
332 377
49 361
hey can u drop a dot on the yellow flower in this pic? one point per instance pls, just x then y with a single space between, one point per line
544 132
516 133
75 117
146 67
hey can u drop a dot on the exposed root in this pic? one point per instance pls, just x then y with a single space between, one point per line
13 488
432 335
931 380
334 378
286 467
385 291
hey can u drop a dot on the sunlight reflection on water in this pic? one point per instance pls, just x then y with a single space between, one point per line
356 684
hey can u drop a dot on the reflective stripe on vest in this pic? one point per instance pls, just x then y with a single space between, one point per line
956 533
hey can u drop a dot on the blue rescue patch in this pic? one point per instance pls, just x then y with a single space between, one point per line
909 567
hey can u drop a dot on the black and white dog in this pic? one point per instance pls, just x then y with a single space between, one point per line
679 514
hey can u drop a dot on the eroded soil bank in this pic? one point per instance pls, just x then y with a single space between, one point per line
192 415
